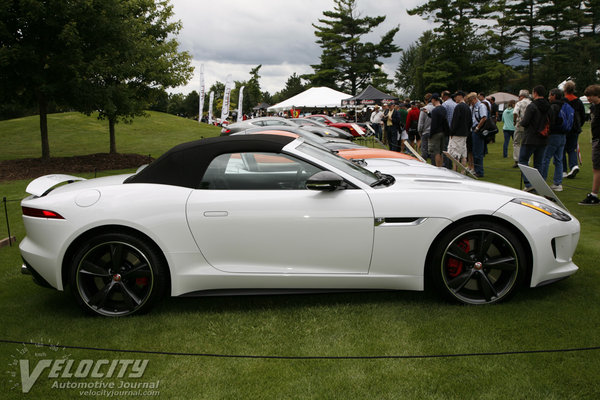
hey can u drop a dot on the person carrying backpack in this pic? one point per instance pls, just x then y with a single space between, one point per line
535 121
570 158
561 122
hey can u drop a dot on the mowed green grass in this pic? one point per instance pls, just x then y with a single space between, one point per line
562 316
73 133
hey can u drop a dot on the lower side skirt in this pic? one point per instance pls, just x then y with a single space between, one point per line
253 292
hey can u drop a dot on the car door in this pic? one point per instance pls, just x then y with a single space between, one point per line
253 214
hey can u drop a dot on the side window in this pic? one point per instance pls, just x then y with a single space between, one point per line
257 171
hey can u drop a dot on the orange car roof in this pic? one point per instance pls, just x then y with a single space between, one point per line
372 153
280 133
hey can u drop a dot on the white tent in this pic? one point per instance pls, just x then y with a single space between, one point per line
503 97
316 97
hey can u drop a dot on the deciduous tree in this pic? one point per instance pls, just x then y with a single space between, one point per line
137 57
110 56
41 53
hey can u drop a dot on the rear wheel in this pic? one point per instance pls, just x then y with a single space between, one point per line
116 275
478 263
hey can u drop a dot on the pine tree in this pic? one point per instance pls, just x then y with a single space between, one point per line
346 63
458 50
525 16
500 37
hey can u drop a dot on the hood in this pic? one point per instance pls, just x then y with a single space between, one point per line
416 174
405 167
542 104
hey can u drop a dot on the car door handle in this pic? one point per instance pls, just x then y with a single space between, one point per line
216 213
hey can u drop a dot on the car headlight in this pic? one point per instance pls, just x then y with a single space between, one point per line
544 209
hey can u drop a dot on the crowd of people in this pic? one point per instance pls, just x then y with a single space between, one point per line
544 126
443 122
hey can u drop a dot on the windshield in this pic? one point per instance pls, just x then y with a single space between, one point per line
340 163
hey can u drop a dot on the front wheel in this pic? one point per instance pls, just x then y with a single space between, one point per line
116 275
478 263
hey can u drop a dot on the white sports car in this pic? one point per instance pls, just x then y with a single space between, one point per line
270 214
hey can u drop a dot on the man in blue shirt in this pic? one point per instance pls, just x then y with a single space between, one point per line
479 114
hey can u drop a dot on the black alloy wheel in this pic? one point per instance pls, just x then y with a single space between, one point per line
479 263
116 275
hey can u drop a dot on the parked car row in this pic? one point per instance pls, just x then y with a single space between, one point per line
340 123
310 125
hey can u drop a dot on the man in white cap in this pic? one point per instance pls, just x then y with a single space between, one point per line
518 114
375 120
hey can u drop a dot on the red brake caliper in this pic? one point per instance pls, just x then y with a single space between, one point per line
454 266
141 281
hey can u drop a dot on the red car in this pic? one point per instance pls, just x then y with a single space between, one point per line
339 123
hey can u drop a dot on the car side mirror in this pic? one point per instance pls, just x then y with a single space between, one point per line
325 181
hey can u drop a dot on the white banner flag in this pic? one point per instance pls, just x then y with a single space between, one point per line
240 99
211 97
202 92
226 98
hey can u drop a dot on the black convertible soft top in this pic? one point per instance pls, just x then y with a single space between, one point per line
185 164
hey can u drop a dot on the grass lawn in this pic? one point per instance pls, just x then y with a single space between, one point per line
412 325
73 134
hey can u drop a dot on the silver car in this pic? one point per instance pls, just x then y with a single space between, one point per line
256 123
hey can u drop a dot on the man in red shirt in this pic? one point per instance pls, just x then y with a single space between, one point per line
412 122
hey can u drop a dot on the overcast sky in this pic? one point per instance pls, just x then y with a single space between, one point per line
234 36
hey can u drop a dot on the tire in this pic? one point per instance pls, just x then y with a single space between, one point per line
478 263
117 274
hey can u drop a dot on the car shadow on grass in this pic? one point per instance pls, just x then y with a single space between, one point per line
291 302
62 304
557 292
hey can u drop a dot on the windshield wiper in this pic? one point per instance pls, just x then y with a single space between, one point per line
383 179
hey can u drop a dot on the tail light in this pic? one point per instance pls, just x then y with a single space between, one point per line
39 213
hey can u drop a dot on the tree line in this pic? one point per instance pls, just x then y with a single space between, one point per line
502 45
479 45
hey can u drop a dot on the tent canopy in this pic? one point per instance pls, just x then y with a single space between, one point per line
315 97
370 96
503 97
